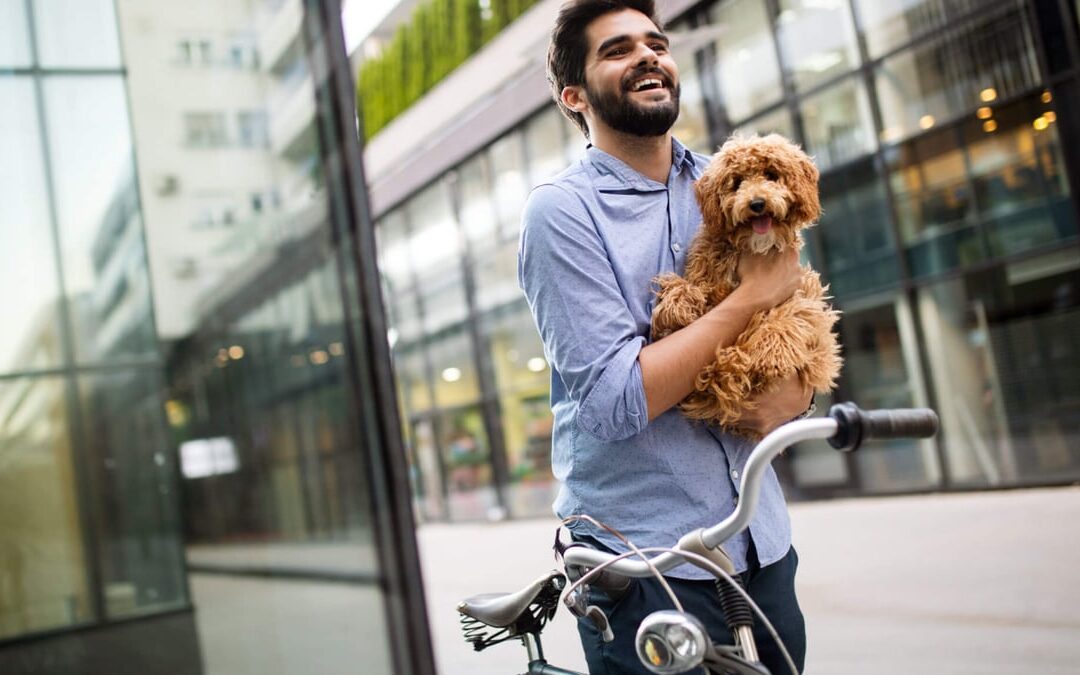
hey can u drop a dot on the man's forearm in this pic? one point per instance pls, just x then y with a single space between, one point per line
669 366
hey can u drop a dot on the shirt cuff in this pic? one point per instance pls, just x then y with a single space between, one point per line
615 409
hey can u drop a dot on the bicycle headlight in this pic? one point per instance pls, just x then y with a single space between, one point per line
671 642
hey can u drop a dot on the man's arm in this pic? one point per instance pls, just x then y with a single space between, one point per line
669 366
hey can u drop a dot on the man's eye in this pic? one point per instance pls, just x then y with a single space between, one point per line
659 47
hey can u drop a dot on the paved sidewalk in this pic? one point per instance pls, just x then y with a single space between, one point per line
979 583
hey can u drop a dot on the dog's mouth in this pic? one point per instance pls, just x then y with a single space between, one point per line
761 224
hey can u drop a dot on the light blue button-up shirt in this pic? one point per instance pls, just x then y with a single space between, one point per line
592 240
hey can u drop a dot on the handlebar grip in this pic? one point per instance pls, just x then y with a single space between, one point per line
855 425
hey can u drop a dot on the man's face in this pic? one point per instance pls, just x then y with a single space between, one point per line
631 81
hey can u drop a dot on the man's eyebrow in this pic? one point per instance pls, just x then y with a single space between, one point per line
612 41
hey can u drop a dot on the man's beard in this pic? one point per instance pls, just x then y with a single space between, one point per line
622 114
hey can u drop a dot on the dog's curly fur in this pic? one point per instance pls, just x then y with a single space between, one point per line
794 337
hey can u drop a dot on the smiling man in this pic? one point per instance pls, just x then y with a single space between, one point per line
593 238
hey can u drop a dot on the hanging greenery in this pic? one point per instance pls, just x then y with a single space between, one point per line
438 37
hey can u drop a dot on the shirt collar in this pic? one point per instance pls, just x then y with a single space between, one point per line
617 174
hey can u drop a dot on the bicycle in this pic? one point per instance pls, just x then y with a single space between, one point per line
673 641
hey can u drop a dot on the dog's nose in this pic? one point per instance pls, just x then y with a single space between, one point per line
757 205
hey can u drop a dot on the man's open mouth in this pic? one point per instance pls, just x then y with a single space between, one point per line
647 84
761 224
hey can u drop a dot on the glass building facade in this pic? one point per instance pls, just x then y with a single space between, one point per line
200 466
947 138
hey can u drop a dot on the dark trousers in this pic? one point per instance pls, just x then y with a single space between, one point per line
771 587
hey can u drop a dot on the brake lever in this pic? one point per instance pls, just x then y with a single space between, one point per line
577 602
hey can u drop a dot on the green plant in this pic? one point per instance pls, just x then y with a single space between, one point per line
438 37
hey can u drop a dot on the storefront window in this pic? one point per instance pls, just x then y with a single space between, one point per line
1004 365
888 25
838 124
817 40
929 85
749 76
392 237
477 210
691 128
76 34
14 35
857 243
545 145
511 183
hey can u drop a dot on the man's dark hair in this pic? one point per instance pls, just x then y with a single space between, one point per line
569 47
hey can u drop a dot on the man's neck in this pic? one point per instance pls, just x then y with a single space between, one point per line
648 155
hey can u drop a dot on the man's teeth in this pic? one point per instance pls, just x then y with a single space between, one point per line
641 84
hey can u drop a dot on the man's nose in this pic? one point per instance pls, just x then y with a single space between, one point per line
647 55
757 205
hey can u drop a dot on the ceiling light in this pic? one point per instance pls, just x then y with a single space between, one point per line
926 121
236 352
1046 97
451 374
984 113
536 364
990 126
988 94
1050 116
1040 123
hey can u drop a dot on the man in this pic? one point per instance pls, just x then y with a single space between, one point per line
592 240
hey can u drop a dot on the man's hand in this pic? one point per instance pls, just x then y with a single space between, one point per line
775 408
769 279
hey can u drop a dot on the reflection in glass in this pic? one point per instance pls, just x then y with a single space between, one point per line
511 184
435 245
876 376
43 566
522 378
1004 362
933 204
745 58
101 240
888 25
31 338
76 34
924 87
857 245
496 277
141 555
544 144
838 124
477 214
470 492
817 40
14 35
691 127
392 237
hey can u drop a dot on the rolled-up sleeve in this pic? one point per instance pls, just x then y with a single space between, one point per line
588 331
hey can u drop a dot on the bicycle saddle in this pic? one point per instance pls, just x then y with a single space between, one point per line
499 610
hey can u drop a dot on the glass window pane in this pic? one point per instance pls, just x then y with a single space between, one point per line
1018 171
392 237
934 204
141 554
990 61
1006 367
103 251
838 124
745 58
691 128
14 35
43 577
496 277
544 143
76 34
435 245
477 206
775 122
857 242
467 458
817 39
511 183
887 25
31 338
576 143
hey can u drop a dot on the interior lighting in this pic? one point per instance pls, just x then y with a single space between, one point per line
926 121
1040 123
1050 116
988 94
319 357
1046 97
984 113
451 374
990 126
536 364
236 352
336 349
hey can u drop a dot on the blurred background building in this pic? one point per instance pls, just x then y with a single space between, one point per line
204 464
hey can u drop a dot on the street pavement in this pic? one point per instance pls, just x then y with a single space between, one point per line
967 584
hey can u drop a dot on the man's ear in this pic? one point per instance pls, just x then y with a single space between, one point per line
573 97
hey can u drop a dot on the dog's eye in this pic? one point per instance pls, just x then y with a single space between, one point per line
771 175
735 183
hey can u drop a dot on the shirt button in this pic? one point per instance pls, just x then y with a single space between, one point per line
676 247
735 474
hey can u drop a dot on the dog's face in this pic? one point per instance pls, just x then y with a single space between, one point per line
758 192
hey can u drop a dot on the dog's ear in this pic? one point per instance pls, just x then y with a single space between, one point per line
709 192
805 179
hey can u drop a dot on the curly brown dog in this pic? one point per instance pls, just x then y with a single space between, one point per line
755 195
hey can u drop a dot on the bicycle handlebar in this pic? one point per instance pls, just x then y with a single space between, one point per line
846 427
